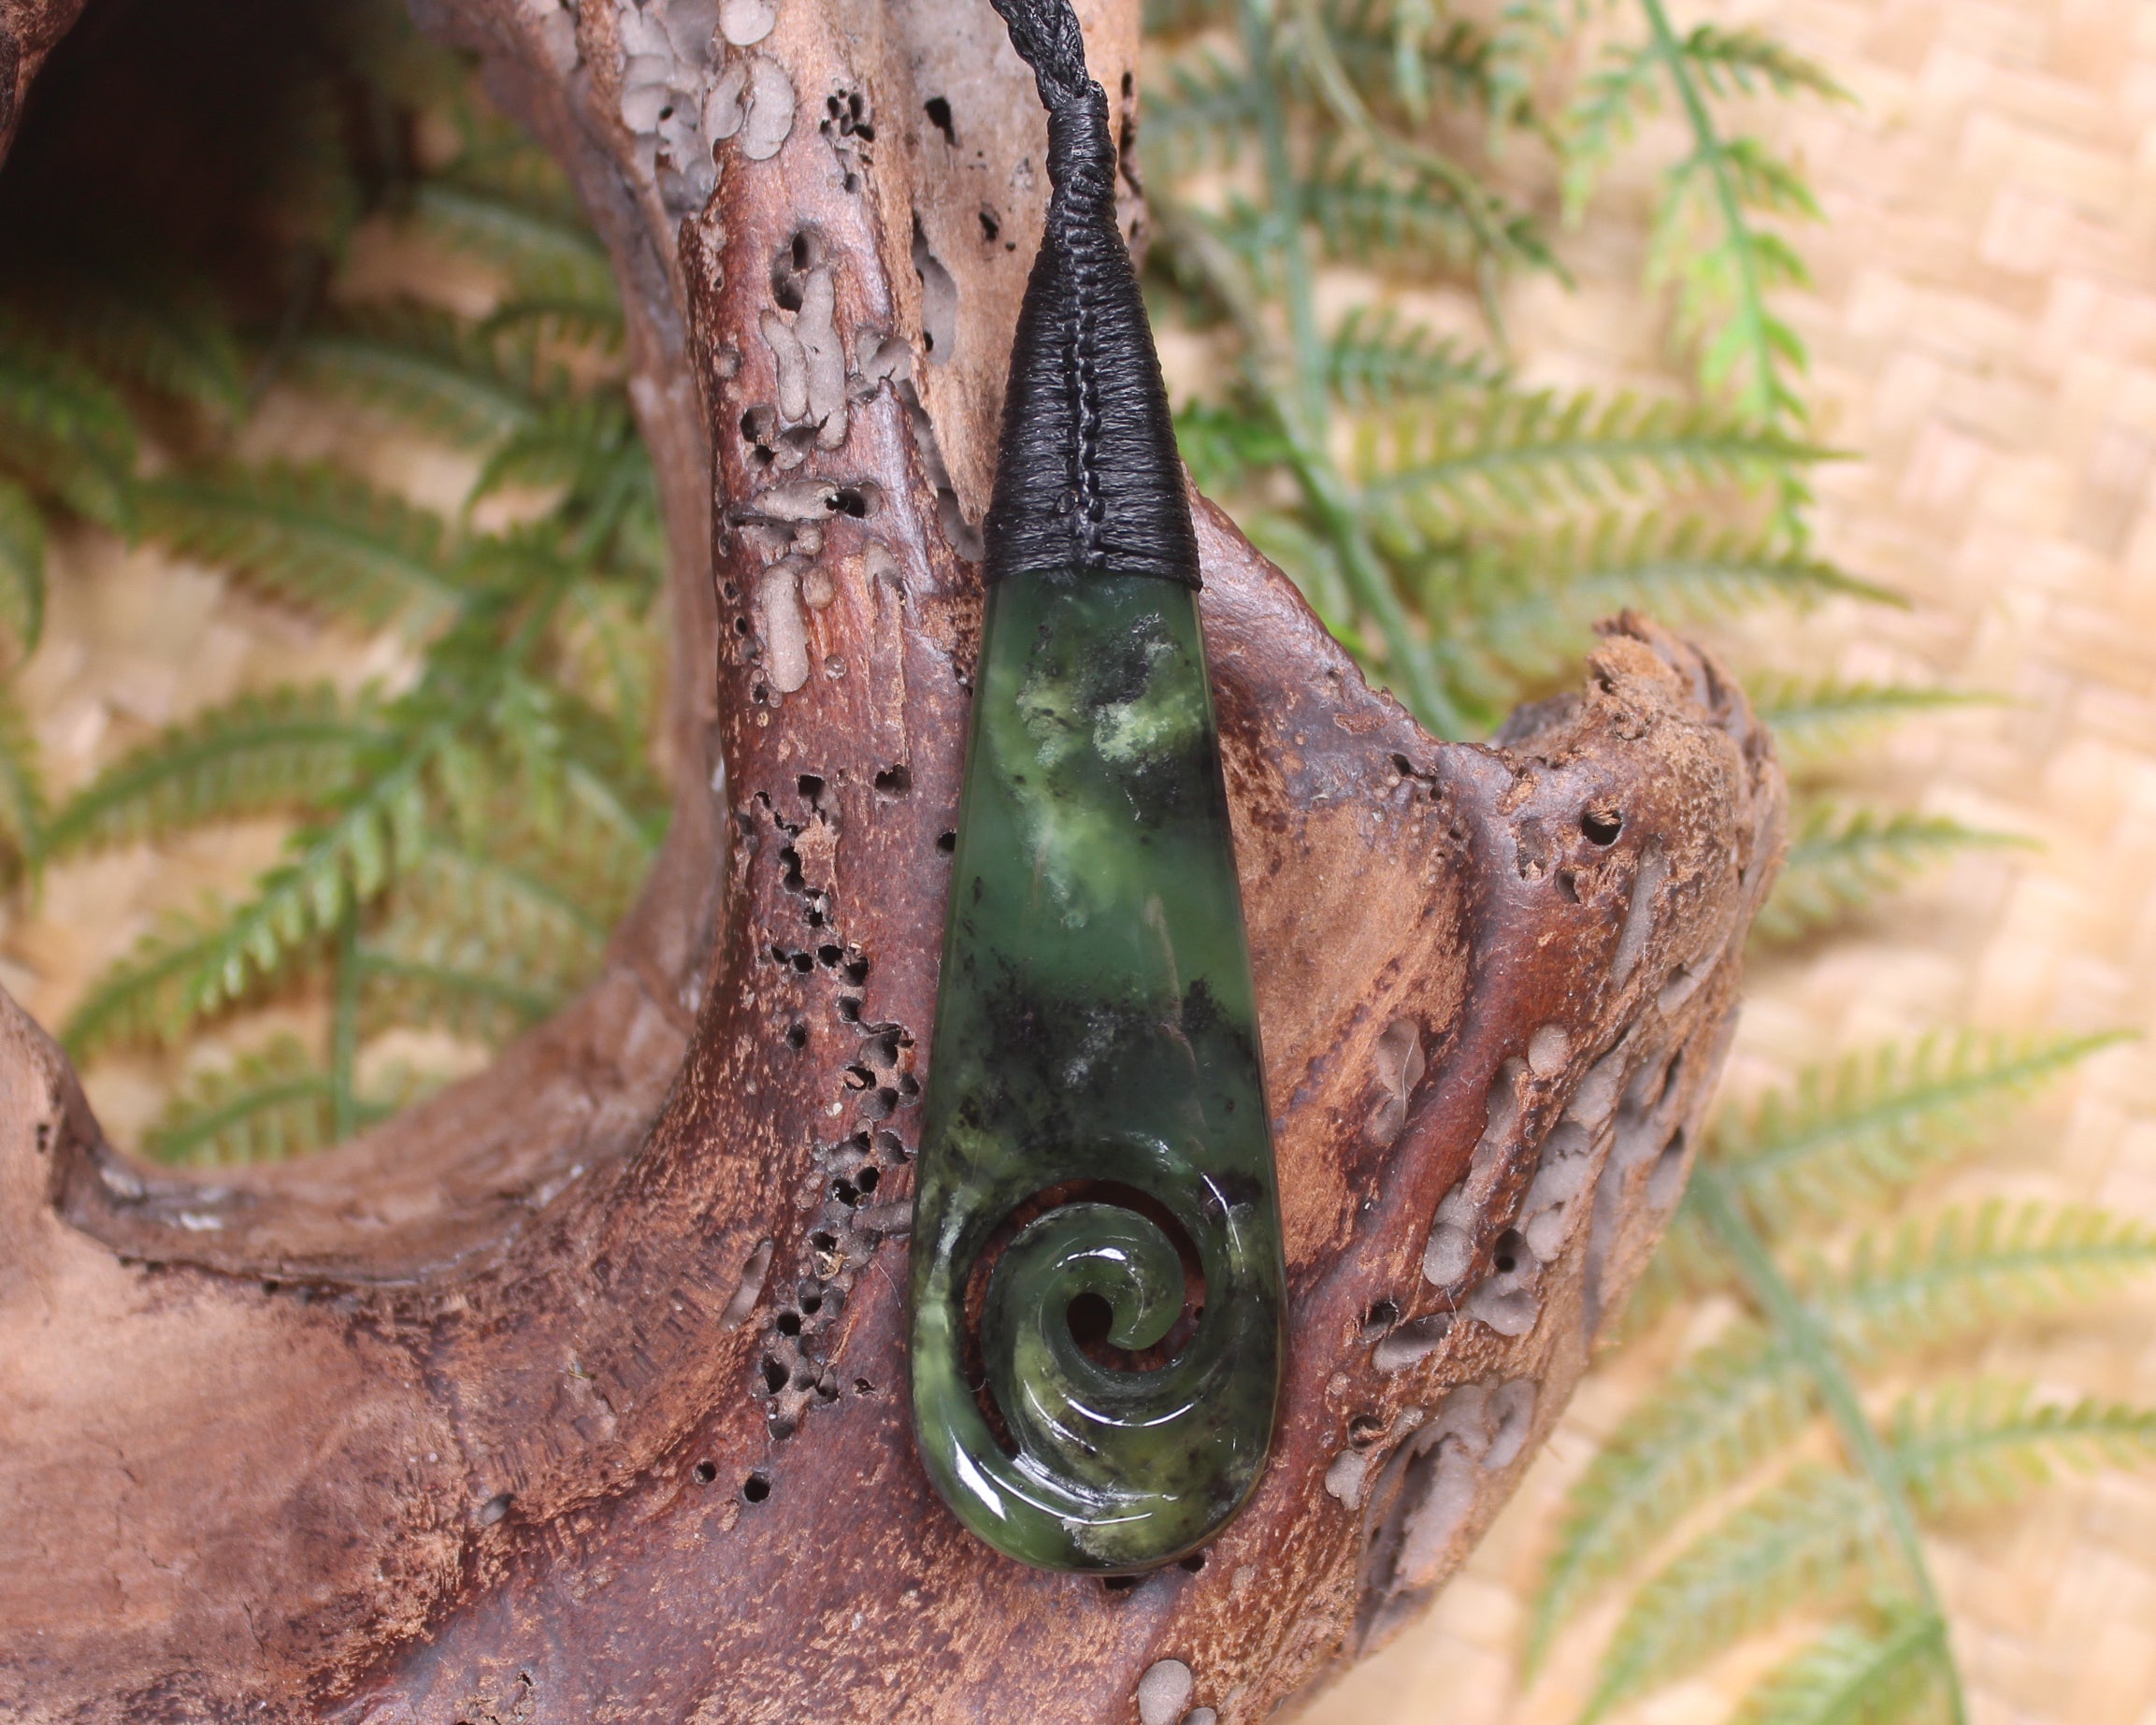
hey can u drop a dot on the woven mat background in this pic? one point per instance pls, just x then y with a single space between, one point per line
1984 331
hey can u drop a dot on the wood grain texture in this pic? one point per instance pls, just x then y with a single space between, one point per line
574 1394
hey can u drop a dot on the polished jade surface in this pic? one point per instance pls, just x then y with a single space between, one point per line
1096 1077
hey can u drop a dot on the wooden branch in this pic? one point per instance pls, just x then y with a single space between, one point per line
575 1393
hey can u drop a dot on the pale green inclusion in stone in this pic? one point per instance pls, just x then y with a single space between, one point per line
1096 1024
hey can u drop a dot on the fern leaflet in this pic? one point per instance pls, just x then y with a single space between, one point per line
1813 719
291 752
1858 1131
1988 1441
314 539
21 566
1855 1674
1843 857
1810 1540
270 1104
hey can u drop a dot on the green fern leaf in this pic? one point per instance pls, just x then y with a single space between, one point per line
1424 476
1365 206
150 998
336 865
605 645
291 752
1842 858
312 538
469 999
1989 1442
1407 50
62 430
1718 1417
589 325
270 1104
1848 1136
1814 719
1880 1674
1516 611
500 160
1738 62
544 253
1228 446
147 322
1623 90
1810 1540
1923 1283
588 446
21 566
1376 356
430 369
1198 112
21 790
453 900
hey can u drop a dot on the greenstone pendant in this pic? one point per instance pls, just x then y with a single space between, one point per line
1097 1280
1096 1077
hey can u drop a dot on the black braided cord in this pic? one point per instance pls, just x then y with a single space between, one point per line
1087 477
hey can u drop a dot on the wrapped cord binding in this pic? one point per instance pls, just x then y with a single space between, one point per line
1087 477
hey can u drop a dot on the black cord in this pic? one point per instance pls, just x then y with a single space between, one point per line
1087 477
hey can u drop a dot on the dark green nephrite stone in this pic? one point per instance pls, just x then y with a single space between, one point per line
1096 1149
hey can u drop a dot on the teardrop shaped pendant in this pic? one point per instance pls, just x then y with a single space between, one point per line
1096 1275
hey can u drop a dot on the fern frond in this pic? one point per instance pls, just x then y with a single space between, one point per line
312 538
588 445
500 160
1377 356
21 566
1738 62
1877 1673
149 323
1850 1135
1814 1538
1518 609
1816 718
543 252
1607 109
1509 455
469 999
291 752
452 898
1923 1283
1199 111
605 645
1842 858
1718 1417
1685 1268
21 790
431 369
269 1104
1411 54
591 326
63 430
1989 1442
336 865
152 998
1365 206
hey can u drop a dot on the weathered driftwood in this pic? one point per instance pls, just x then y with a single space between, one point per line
575 1394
